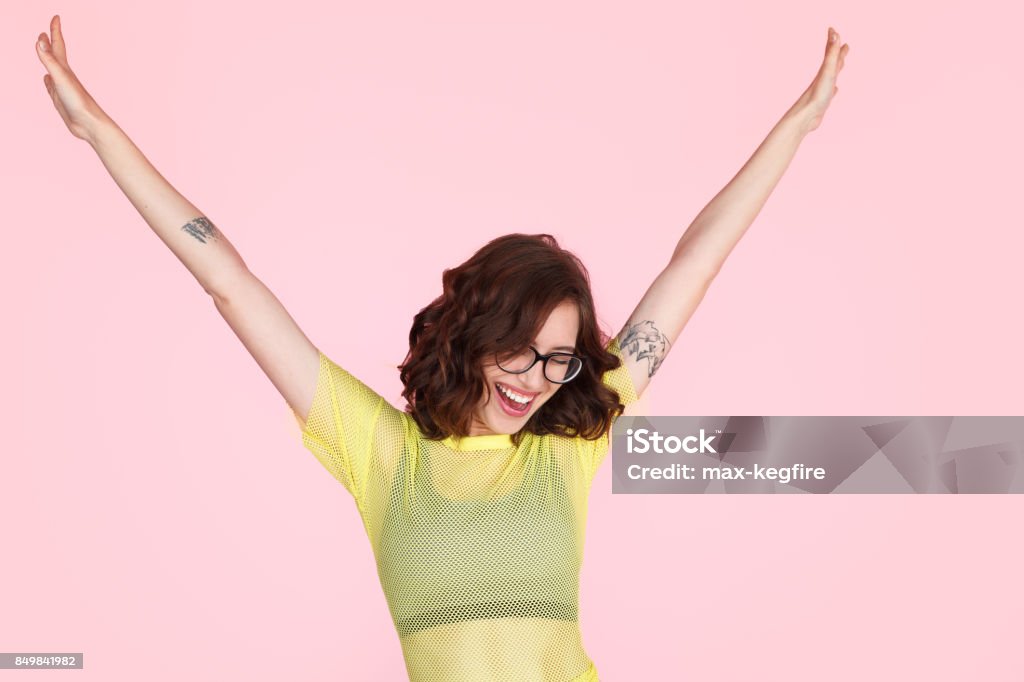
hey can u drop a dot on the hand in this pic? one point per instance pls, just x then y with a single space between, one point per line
815 100
76 106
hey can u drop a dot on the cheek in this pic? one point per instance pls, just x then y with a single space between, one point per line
544 399
489 389
552 394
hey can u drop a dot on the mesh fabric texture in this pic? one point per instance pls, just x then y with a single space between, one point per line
478 544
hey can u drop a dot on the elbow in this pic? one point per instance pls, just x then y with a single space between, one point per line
222 289
216 291
218 299
705 269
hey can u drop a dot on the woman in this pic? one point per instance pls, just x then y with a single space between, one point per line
474 498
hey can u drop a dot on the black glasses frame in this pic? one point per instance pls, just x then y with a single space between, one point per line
540 357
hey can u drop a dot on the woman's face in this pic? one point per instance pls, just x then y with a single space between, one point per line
494 415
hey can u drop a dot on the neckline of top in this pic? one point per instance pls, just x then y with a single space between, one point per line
491 441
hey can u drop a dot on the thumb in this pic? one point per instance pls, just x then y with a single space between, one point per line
48 82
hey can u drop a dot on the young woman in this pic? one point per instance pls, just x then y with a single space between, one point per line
475 497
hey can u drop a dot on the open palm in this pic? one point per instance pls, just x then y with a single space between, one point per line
74 104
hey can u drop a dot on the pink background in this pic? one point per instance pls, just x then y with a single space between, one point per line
158 510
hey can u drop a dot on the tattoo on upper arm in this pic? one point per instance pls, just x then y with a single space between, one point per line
201 228
644 341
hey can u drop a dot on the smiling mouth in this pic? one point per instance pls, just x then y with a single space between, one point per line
510 406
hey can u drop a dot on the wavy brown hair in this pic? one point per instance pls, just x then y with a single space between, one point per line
497 301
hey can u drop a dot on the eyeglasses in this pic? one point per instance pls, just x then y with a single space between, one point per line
559 368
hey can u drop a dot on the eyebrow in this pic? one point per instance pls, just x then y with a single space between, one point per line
571 349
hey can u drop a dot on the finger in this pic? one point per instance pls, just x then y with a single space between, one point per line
832 51
43 49
827 64
48 82
59 49
842 57
56 69
50 89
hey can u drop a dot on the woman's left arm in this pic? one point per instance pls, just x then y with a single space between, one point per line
671 300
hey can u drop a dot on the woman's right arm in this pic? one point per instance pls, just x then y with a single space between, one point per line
257 317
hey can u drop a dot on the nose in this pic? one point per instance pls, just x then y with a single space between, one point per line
533 379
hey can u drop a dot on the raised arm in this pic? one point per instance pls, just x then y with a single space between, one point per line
671 300
264 327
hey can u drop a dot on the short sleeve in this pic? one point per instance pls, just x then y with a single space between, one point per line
345 424
619 380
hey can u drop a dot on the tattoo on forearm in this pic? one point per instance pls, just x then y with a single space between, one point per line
644 341
201 228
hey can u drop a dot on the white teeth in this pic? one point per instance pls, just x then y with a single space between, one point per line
514 396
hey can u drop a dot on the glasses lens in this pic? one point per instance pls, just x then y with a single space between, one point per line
516 362
562 367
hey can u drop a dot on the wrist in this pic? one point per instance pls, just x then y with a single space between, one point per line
100 129
802 113
799 118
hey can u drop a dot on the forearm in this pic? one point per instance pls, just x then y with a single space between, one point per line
193 238
711 236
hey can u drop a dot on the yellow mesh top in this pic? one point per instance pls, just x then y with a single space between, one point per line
478 544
